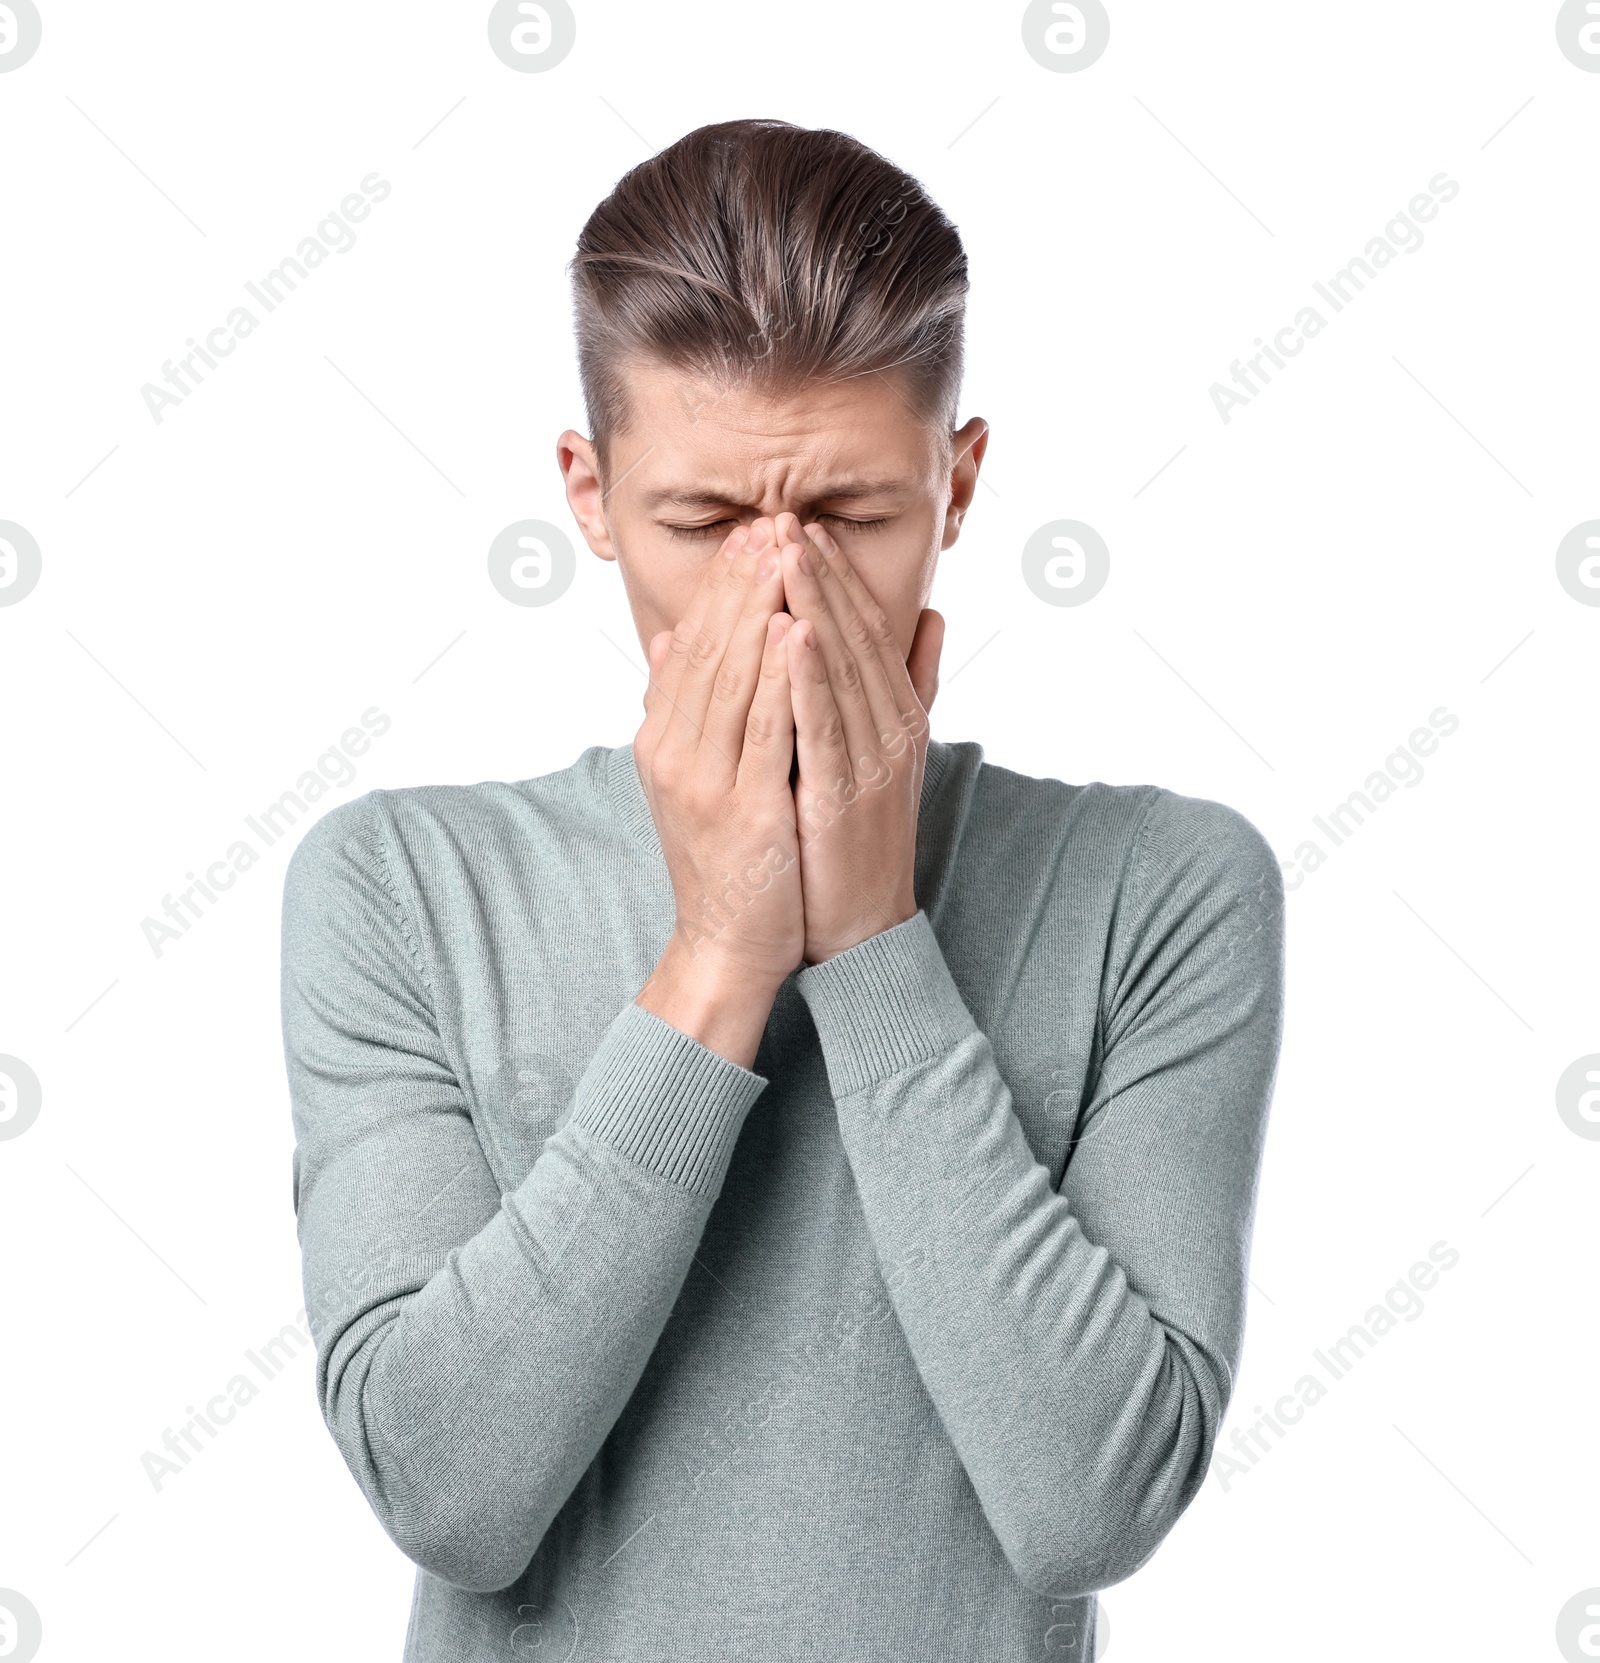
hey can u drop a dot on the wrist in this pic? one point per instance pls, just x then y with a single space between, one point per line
887 917
722 1005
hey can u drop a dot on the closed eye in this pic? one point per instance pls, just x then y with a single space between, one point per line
721 528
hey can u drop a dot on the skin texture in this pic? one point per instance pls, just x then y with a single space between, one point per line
778 551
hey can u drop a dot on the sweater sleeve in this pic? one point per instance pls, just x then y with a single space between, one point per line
474 1348
1079 1344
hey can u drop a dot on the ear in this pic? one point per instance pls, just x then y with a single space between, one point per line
967 445
580 468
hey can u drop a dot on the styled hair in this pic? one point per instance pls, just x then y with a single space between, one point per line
762 254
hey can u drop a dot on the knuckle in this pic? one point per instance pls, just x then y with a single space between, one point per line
859 634
760 729
699 794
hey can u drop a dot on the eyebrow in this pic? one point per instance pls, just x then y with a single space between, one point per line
847 490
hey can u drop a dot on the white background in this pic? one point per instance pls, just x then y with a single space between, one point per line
1367 541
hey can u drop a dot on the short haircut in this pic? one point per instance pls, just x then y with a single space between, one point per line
760 253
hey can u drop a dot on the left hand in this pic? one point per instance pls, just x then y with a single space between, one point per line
861 734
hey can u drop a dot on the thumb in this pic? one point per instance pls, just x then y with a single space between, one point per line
656 657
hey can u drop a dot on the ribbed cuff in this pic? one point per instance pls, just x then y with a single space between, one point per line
884 1005
665 1100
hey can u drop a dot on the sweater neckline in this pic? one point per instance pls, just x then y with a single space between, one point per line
632 807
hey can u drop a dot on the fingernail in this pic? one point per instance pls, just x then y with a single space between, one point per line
736 542
767 567
804 562
760 534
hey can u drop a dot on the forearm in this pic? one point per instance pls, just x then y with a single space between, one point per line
479 1380
1082 1409
1080 1418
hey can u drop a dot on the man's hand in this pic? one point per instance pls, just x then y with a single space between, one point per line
714 758
861 729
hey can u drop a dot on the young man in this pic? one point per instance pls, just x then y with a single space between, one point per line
783 1188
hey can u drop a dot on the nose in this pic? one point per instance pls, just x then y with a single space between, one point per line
786 528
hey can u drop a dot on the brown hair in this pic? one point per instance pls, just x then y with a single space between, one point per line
762 252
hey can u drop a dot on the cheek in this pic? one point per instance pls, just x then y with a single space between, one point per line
901 602
902 588
661 584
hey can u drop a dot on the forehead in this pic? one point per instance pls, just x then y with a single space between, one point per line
692 441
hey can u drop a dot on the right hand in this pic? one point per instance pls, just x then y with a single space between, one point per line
714 756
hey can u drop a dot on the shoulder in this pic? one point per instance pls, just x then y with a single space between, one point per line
398 816
1194 850
402 828
1150 858
1158 829
1200 908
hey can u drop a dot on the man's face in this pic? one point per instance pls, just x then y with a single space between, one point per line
700 459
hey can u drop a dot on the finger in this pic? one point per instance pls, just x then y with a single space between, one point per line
700 650
655 659
656 708
866 626
819 737
802 585
733 687
701 604
768 751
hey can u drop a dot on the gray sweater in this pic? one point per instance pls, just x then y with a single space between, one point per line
898 1345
